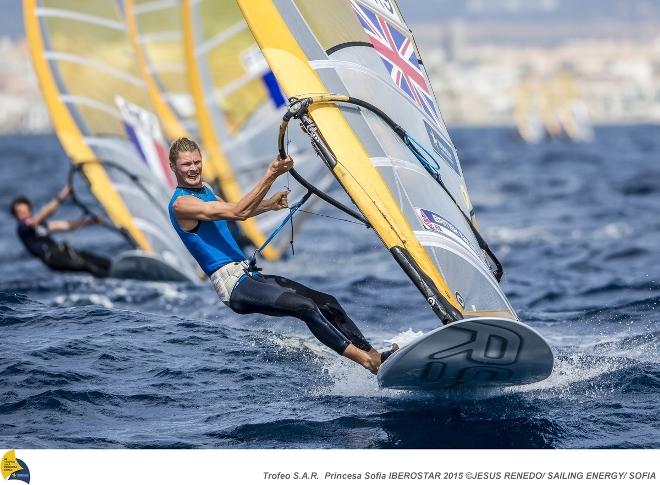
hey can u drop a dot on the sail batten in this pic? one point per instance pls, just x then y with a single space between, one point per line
163 68
155 6
99 66
81 17
92 103
173 36
220 38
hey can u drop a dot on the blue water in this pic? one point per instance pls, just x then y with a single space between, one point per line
89 363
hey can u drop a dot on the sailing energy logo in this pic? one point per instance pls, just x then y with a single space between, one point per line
13 468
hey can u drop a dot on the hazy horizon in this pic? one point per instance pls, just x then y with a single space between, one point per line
599 17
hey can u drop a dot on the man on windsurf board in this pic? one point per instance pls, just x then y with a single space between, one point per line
200 218
35 230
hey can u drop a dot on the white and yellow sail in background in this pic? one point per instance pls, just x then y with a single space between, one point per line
154 28
551 107
571 110
104 119
238 106
527 109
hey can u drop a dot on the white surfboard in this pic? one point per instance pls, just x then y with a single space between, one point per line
475 352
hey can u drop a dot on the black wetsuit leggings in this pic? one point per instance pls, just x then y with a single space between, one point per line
280 297
65 258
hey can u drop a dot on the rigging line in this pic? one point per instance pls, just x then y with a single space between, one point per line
288 188
302 113
333 217
86 210
337 161
311 190
433 170
292 210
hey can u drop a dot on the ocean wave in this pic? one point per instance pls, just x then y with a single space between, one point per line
69 401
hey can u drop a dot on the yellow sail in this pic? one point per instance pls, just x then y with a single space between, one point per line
87 74
571 110
526 111
426 228
154 28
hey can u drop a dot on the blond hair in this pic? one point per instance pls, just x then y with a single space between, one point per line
180 145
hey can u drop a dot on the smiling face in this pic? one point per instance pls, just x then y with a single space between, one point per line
188 169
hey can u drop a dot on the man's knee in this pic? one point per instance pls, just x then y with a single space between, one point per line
307 307
297 304
330 303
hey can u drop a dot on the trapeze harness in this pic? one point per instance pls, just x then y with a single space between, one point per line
245 290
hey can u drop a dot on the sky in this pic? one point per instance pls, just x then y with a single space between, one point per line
420 11
11 18
534 11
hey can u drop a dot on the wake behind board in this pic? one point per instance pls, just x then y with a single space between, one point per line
476 352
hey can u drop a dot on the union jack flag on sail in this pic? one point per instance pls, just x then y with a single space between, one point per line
398 54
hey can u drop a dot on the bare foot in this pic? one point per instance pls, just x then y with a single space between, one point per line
370 366
377 358
366 360
374 361
369 360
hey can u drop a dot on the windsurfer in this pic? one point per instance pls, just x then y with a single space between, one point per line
35 232
200 218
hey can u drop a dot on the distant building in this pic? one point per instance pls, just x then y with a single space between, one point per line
23 109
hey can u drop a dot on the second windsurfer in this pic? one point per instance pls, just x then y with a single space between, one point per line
34 231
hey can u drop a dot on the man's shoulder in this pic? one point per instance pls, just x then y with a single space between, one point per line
25 226
178 192
210 190
204 193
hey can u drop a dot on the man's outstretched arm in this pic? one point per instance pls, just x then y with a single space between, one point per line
191 208
49 209
64 226
278 201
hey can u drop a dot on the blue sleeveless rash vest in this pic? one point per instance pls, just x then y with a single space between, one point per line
211 243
